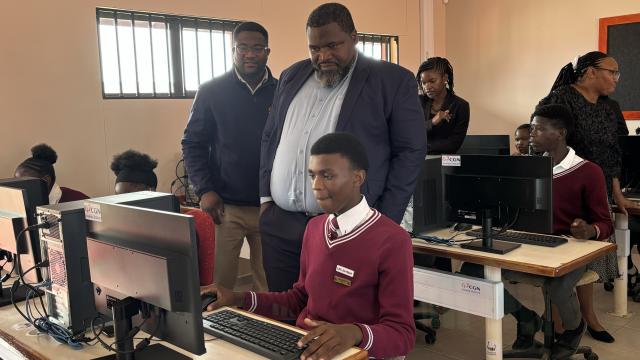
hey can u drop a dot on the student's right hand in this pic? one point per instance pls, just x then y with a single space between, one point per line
225 296
212 204
580 229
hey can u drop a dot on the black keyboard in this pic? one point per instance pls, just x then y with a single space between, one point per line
524 238
261 337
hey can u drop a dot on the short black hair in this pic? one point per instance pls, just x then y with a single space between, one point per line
326 14
558 115
524 126
41 161
250 26
344 144
439 64
136 167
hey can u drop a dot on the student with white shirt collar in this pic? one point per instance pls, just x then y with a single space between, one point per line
580 206
355 286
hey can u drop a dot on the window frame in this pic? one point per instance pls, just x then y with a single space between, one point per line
174 25
392 43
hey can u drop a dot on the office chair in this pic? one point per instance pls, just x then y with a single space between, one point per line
543 351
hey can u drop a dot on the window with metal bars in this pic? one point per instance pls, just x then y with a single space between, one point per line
380 47
151 55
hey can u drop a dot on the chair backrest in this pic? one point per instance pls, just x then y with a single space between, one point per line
205 230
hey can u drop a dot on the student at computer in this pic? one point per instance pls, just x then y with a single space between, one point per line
522 140
446 114
40 165
134 172
355 286
580 205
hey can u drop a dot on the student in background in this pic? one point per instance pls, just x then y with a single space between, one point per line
522 140
355 286
446 114
580 205
40 165
134 172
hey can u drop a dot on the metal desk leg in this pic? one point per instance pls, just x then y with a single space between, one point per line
620 284
493 327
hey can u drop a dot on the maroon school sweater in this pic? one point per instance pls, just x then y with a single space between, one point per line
71 195
374 263
580 192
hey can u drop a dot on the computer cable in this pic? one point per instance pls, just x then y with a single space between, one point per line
138 347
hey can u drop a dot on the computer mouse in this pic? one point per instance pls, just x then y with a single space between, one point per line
207 299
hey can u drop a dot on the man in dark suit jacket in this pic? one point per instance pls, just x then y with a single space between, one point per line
336 90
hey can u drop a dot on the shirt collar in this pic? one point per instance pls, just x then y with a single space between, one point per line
55 194
570 160
265 78
352 217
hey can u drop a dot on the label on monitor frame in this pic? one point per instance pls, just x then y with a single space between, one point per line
450 160
92 212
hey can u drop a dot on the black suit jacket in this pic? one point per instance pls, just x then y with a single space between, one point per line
382 109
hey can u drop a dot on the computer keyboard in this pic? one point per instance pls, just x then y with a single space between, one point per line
524 238
263 338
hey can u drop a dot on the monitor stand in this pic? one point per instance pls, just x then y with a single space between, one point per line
123 311
487 244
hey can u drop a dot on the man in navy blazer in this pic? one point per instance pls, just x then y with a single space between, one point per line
336 90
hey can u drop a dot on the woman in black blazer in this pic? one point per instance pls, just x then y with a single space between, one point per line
446 114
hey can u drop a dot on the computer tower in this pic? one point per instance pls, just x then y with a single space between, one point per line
428 198
70 296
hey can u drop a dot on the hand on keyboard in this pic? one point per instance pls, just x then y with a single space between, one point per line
327 340
225 297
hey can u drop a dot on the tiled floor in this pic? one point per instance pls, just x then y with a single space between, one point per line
461 336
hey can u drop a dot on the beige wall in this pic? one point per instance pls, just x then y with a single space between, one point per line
506 53
50 90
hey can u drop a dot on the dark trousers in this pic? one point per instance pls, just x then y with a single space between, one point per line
281 232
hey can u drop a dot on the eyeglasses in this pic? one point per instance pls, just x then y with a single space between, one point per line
257 49
614 73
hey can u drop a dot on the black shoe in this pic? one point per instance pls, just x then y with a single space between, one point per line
603 335
527 330
567 344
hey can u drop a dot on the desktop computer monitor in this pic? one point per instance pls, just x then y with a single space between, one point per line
512 192
70 300
630 177
428 198
485 145
19 198
144 263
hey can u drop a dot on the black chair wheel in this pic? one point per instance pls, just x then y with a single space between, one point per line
430 339
608 286
591 356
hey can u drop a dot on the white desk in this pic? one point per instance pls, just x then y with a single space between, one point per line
538 260
18 342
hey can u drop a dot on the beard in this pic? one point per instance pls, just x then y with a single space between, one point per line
331 78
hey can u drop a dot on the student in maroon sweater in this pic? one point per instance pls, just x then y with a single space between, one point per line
580 206
40 165
355 286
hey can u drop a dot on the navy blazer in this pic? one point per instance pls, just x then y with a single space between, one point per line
381 108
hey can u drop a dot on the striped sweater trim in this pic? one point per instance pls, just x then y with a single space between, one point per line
254 302
570 170
369 343
375 215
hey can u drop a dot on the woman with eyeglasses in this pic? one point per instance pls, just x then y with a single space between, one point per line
583 86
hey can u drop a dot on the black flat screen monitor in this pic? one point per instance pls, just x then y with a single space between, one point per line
144 264
500 191
630 177
485 145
